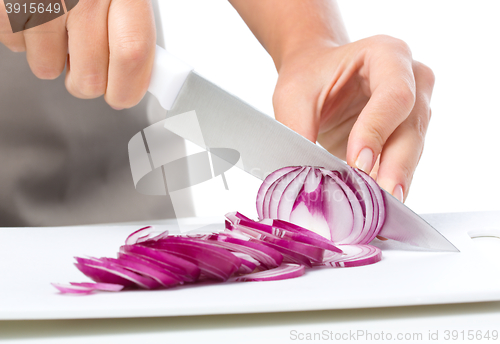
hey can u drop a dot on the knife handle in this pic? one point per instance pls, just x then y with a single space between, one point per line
168 76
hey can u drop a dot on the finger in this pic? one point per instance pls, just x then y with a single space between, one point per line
47 48
86 77
388 71
294 106
132 38
13 41
403 149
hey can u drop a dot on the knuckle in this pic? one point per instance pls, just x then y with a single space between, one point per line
376 137
131 50
403 170
419 124
404 95
91 85
406 172
421 128
382 38
425 72
393 43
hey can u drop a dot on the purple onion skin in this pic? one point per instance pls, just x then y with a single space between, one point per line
308 190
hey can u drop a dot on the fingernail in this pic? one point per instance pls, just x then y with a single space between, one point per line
365 160
398 192
116 108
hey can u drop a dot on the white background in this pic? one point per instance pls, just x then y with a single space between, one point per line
459 40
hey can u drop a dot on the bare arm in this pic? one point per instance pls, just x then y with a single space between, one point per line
285 26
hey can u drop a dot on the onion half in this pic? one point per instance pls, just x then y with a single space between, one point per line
343 209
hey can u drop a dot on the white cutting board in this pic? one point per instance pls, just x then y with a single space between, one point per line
31 258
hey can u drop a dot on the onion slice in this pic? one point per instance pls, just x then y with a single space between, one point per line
354 255
107 272
145 234
186 270
214 262
280 229
284 271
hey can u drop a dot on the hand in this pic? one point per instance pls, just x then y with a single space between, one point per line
111 47
366 102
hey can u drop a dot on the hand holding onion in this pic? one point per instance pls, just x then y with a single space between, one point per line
366 102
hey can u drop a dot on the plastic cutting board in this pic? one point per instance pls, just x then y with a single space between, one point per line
31 258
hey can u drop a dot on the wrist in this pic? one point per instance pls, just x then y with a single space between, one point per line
295 49
289 51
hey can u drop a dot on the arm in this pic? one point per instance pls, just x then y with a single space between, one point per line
285 26
366 101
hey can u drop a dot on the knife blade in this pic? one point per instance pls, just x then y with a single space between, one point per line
266 145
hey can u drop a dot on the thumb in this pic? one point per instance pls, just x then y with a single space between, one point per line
295 106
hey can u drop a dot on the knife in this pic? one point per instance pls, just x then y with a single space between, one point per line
264 144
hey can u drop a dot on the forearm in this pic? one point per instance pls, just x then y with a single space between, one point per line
285 27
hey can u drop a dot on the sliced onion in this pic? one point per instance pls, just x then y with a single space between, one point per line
285 271
86 288
281 229
354 255
186 270
99 286
312 252
73 289
144 234
248 264
214 262
107 272
290 256
267 256
341 214
146 268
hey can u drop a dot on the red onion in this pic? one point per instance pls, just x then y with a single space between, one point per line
86 288
186 270
107 272
285 271
355 255
342 215
214 262
344 210
267 256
